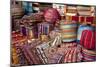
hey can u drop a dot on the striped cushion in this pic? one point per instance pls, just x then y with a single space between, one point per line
68 26
68 32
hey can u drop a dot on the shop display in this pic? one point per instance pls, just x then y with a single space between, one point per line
52 33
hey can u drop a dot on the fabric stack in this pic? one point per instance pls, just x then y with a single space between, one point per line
24 53
30 32
87 39
47 49
16 25
88 55
84 11
30 53
18 40
69 27
70 11
44 28
61 53
87 33
61 8
86 14
17 10
87 20
14 56
32 18
19 53
69 32
73 53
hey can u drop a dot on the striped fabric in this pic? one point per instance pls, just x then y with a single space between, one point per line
73 53
21 56
30 52
88 55
69 35
68 26
44 28
68 32
45 50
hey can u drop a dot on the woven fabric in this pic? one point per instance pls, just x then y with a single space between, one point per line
88 55
14 56
73 54
68 32
44 28
88 39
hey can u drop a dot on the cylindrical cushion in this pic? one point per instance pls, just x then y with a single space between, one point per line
68 32
81 28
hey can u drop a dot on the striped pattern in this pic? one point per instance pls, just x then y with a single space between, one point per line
30 52
46 48
68 32
30 32
88 55
44 28
73 54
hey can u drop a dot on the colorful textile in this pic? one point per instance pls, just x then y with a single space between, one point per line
27 7
44 28
88 55
68 32
73 54
81 28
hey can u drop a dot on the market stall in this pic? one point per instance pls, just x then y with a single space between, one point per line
49 33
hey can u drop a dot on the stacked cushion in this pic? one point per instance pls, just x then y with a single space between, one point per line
88 55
